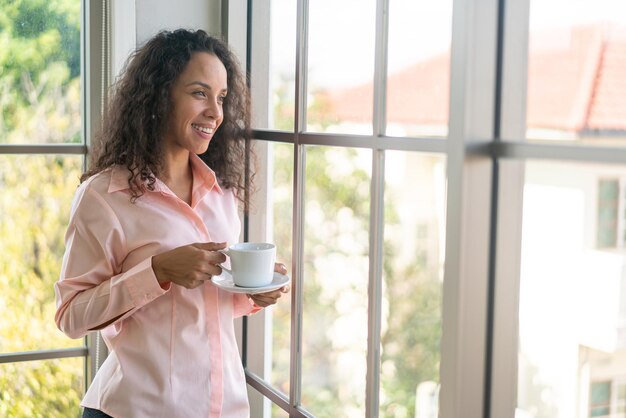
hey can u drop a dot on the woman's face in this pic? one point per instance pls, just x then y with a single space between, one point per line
197 99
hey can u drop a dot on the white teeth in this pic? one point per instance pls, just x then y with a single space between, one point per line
202 129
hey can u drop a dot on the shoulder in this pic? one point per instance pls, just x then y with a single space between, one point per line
91 193
99 182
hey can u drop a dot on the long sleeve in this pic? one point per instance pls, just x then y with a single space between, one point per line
93 290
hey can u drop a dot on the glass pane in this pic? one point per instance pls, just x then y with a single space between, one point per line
40 77
277 412
412 286
572 316
282 204
335 281
341 66
600 412
35 205
418 73
600 393
51 388
608 208
575 71
282 65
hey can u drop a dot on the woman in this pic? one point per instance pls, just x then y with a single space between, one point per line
158 202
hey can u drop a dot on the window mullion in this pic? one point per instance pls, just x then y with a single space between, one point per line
376 228
464 313
505 332
375 283
92 27
297 295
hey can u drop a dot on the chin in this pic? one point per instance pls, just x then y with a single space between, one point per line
202 150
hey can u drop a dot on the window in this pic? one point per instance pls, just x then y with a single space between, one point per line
461 174
619 403
42 149
570 340
608 212
611 232
600 399
358 213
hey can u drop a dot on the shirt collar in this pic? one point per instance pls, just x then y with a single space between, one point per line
203 176
119 178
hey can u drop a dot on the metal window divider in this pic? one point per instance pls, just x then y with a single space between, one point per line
297 295
377 210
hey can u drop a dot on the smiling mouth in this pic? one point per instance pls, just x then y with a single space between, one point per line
203 129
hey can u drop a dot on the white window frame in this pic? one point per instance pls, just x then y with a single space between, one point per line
615 401
486 152
469 153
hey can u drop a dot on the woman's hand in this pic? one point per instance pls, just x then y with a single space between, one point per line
190 265
270 298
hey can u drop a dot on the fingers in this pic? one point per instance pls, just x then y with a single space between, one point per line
269 298
210 246
190 265
209 258
280 268
195 283
213 269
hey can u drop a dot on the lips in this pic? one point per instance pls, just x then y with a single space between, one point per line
204 129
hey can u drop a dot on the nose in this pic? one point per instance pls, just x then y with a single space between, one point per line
213 109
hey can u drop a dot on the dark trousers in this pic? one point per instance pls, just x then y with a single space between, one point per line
94 413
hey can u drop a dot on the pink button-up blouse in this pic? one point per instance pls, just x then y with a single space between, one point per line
173 351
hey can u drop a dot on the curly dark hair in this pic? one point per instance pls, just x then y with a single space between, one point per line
136 116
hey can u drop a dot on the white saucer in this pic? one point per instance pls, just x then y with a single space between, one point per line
225 282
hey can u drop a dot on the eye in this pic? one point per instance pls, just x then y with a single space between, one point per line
221 99
198 93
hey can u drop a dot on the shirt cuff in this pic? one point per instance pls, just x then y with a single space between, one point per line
142 284
243 305
255 308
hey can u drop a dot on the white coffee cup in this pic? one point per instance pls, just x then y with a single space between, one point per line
252 263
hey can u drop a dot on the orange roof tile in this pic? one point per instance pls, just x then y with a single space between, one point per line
561 78
576 82
608 103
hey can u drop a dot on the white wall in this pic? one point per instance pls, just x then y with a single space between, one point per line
134 21
155 15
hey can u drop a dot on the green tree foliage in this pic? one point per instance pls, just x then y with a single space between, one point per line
411 339
39 71
40 102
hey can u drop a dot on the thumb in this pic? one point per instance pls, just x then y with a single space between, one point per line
210 246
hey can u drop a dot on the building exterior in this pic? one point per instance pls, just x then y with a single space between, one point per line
577 93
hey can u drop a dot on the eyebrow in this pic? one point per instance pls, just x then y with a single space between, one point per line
201 84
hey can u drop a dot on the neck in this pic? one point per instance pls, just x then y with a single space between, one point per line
176 167
178 177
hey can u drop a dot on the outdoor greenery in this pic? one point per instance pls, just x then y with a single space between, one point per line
335 303
39 103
